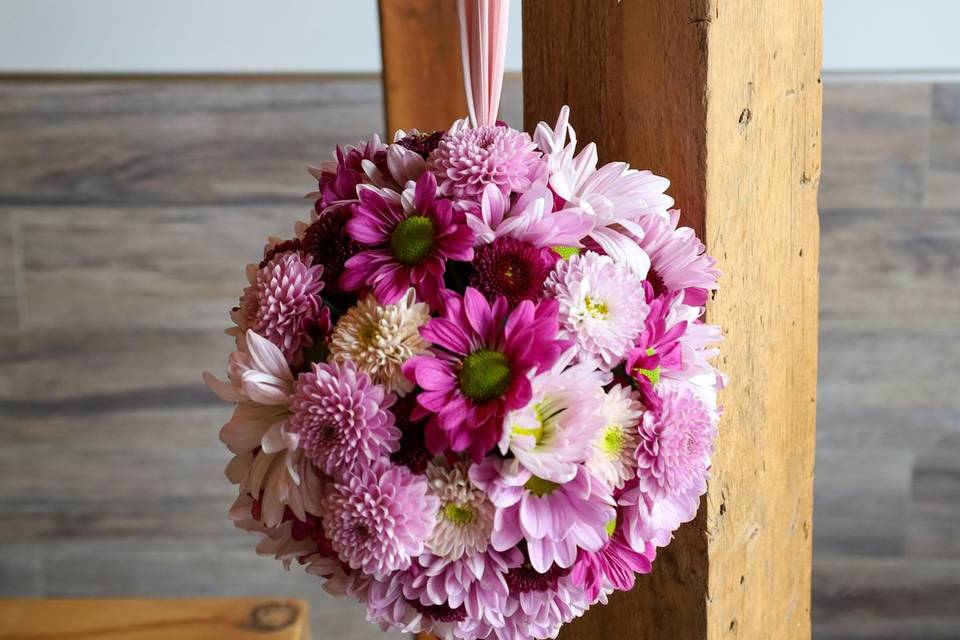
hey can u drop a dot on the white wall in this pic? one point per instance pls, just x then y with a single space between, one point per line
224 36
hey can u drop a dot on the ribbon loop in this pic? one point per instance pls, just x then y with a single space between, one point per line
483 47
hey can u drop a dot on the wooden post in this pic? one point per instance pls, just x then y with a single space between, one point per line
723 98
422 76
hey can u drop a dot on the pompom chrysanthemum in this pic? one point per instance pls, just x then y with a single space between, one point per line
465 517
341 418
378 339
377 519
326 241
602 307
283 303
676 441
469 159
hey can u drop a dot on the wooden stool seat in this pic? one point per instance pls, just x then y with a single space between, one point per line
141 619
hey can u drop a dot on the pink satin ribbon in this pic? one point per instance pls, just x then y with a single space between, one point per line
483 47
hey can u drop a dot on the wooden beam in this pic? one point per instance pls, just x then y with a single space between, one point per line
724 99
422 76
139 619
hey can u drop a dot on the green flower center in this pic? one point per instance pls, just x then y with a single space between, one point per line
484 375
612 440
412 240
567 252
611 527
653 375
458 515
596 309
540 487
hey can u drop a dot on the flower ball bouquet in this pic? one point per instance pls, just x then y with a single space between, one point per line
474 392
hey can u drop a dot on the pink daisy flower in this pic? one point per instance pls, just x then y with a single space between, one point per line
467 160
678 260
676 441
482 356
555 519
602 307
513 269
613 567
406 242
283 304
378 517
341 418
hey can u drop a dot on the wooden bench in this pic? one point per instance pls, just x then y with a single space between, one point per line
138 619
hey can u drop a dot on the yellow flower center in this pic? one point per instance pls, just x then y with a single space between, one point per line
612 440
539 486
458 514
596 309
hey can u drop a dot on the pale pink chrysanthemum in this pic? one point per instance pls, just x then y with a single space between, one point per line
475 584
467 160
377 518
552 435
465 516
602 307
676 441
283 303
341 418
615 198
678 260
613 453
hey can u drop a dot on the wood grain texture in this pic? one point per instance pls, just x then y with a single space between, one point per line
876 142
422 74
9 259
943 179
196 619
174 142
726 102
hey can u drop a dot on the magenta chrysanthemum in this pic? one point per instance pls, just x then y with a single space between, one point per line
613 567
377 518
676 441
338 179
469 159
678 261
283 303
407 242
341 418
513 269
327 242
478 371
602 307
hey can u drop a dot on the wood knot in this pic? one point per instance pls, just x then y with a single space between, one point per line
745 117
273 616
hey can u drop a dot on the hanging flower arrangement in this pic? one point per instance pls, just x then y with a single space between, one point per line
474 391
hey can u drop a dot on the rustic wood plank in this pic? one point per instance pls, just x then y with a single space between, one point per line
125 267
422 76
876 143
862 501
175 142
886 598
935 507
132 619
734 119
943 179
9 313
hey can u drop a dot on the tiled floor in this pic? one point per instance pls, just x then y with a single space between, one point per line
125 209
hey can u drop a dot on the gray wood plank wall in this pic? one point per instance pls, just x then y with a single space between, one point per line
127 210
